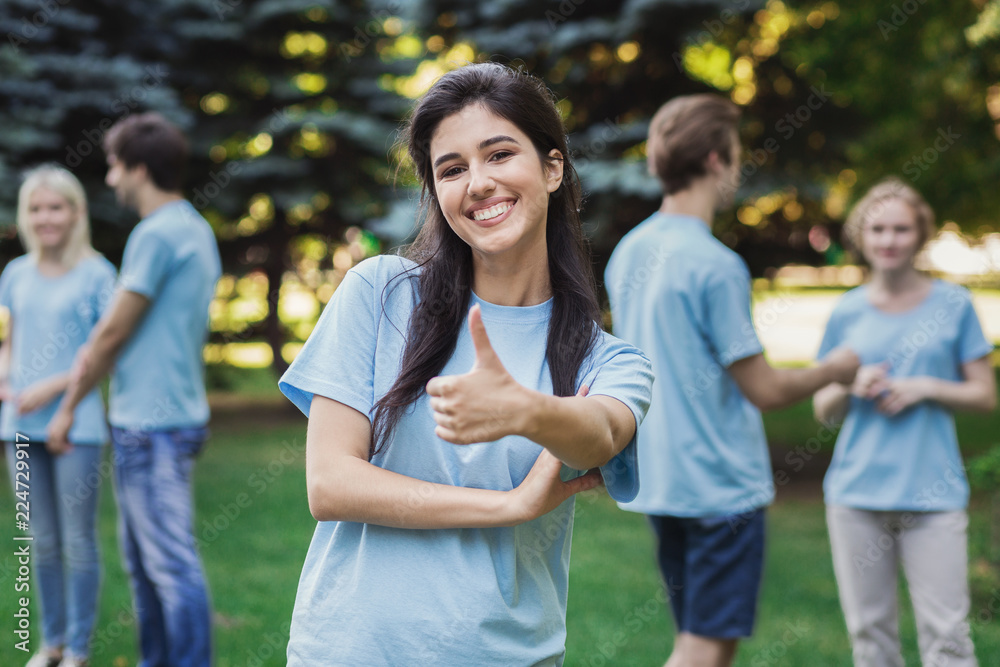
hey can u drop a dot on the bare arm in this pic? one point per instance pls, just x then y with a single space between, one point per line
830 404
771 388
104 344
94 361
976 392
585 432
487 404
342 485
5 394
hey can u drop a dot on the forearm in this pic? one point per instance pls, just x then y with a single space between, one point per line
791 385
100 354
351 489
581 432
59 383
966 396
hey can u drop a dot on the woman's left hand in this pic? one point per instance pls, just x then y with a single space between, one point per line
37 395
898 394
483 405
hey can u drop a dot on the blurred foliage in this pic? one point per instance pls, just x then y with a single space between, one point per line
292 107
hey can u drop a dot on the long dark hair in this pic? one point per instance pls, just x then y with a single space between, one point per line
445 280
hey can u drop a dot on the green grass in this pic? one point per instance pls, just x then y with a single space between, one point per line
254 527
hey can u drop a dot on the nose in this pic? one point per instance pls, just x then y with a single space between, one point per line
480 181
109 178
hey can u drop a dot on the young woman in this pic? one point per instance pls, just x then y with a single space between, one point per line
447 399
896 491
55 294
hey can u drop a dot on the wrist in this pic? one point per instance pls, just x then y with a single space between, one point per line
533 405
928 388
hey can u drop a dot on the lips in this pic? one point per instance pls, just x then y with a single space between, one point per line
491 212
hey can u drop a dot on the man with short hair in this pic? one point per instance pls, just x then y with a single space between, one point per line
683 298
153 334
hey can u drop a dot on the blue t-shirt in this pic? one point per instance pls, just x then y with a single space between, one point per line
172 259
52 318
909 462
683 298
372 595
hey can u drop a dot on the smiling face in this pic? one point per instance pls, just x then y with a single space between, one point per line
890 236
51 217
491 184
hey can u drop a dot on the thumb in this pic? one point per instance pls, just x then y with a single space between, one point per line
485 356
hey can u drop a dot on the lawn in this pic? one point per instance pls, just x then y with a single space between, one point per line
253 527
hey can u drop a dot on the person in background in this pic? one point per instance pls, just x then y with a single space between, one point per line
683 297
55 294
153 334
896 479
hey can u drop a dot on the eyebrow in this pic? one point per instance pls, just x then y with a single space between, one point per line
485 143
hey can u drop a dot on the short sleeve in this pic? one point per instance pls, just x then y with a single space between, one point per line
145 265
103 288
624 373
6 281
338 359
730 327
972 343
832 334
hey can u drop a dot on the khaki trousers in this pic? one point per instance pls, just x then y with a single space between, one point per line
868 548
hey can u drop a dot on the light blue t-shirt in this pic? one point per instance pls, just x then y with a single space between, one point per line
683 298
909 462
52 318
172 259
371 595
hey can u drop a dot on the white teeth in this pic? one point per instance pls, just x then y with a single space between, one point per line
492 211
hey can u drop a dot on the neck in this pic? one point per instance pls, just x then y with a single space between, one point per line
698 201
897 281
153 198
54 255
525 282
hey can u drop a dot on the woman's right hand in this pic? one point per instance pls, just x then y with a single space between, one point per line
543 490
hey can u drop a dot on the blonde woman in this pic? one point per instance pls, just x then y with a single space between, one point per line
55 294
896 490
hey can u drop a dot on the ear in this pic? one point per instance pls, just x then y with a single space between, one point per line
713 162
553 170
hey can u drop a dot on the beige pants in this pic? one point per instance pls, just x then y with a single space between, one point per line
868 548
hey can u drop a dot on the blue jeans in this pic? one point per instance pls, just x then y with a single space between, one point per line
153 487
63 492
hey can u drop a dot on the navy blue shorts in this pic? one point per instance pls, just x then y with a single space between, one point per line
712 568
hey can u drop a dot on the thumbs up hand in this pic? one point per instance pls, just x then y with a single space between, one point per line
482 405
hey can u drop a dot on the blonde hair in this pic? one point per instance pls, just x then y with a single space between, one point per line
67 186
873 203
